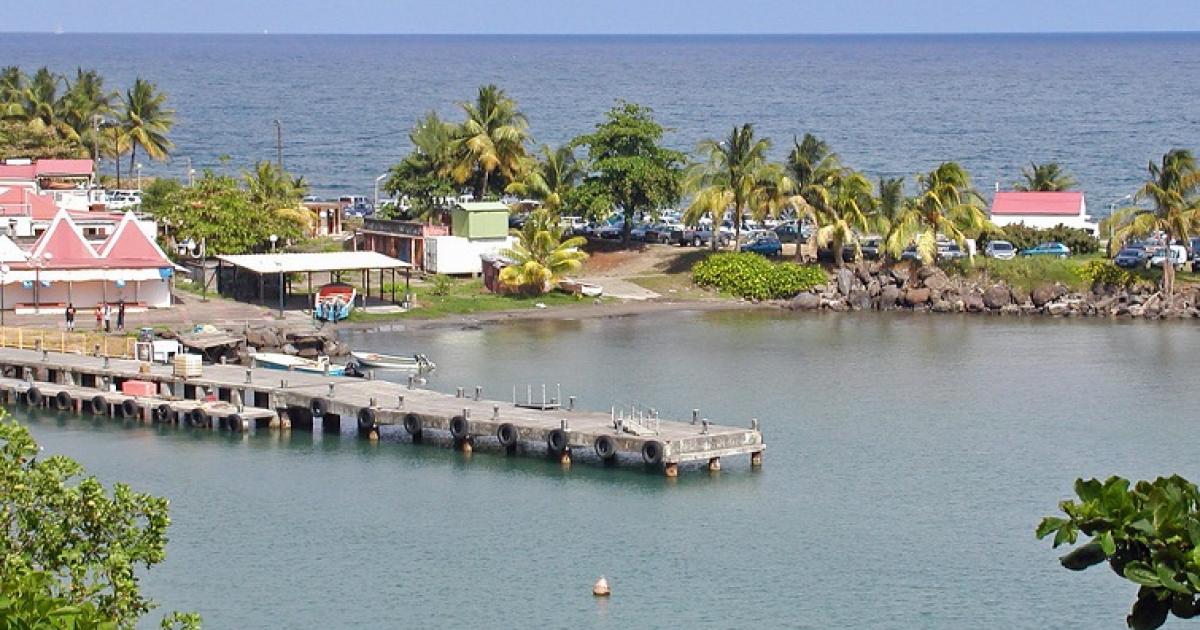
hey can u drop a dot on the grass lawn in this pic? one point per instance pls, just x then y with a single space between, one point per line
460 297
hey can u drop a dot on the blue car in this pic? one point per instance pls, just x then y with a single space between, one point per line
765 246
1048 249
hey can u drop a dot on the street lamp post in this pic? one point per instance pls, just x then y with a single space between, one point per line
4 269
274 237
38 263
1112 209
377 180
138 166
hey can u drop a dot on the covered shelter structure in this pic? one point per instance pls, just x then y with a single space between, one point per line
278 268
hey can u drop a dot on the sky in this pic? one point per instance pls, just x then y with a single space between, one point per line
601 16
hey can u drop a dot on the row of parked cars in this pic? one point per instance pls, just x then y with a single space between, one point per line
1146 254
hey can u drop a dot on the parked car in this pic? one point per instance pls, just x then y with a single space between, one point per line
765 245
638 233
910 253
1048 249
612 231
950 251
870 246
573 225
697 236
1000 250
1177 253
661 232
788 231
1130 258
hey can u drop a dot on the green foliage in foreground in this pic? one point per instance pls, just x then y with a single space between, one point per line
753 277
1105 272
68 549
1148 534
1023 272
1024 237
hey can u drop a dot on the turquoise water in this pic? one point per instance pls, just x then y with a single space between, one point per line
909 459
1104 105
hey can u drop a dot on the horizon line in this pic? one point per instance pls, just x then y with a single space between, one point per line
622 34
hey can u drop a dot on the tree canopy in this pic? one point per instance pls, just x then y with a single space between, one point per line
629 168
1047 177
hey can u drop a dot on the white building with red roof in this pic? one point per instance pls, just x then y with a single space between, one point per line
32 193
63 267
1042 210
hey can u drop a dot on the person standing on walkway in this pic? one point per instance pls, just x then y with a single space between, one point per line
70 317
121 316
99 311
107 318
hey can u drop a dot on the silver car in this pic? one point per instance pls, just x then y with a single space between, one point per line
1000 250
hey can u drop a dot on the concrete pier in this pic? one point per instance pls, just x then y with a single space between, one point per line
257 397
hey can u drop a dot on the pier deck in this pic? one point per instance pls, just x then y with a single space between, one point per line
303 400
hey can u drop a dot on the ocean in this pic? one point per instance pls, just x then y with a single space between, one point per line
1104 105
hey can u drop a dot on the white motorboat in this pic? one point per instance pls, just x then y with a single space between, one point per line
277 361
418 362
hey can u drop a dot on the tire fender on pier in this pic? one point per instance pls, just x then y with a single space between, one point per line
62 400
366 419
606 447
459 428
652 452
129 407
196 418
317 407
234 422
412 424
507 434
556 441
162 413
33 396
99 404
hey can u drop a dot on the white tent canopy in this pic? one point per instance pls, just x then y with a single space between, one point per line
324 261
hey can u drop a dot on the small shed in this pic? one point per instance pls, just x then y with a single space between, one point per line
479 219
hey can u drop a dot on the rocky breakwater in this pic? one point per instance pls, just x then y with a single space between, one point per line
306 342
908 286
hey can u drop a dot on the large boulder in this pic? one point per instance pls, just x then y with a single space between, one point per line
888 297
1019 295
839 306
942 306
901 272
973 303
1010 309
254 337
805 302
916 297
996 296
859 300
873 288
845 280
936 281
1057 309
863 272
1043 295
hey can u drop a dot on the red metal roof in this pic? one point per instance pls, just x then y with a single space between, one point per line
129 247
51 168
20 201
18 171
1038 203
63 246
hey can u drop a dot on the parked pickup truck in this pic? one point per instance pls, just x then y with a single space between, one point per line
697 236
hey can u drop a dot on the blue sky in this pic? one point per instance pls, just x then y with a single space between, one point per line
605 16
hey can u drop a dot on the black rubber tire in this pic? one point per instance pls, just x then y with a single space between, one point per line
63 401
366 419
129 408
459 428
412 424
652 452
33 396
507 434
351 369
234 422
317 407
162 413
196 418
99 405
606 447
556 441
10 371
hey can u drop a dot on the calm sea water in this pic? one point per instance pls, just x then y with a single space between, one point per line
909 459
1104 105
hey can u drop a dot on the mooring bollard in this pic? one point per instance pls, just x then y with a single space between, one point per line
753 424
495 412
458 393
370 375
401 406
410 381
466 413
704 426
106 363
695 415
331 390
249 375
571 403
478 392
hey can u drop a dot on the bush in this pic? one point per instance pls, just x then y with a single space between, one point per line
753 277
1104 272
1024 237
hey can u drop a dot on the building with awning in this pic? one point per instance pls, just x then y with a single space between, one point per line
64 268
269 269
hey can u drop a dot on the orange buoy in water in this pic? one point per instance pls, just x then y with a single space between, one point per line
600 588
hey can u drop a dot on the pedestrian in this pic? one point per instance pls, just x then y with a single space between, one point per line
107 318
121 316
99 310
70 317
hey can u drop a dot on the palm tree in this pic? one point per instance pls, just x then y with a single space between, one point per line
41 106
551 178
540 256
12 92
728 179
491 139
1048 177
423 176
85 100
147 121
114 144
840 211
945 205
888 202
271 187
812 165
1174 190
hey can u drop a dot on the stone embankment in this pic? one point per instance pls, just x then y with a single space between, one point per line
906 286
307 342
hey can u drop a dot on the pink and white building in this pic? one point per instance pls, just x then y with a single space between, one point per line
1042 210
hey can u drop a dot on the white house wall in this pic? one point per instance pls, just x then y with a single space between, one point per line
1045 222
85 295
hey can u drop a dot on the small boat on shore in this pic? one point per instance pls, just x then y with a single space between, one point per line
376 360
334 301
278 361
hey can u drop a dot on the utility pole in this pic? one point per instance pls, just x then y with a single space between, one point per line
95 148
278 144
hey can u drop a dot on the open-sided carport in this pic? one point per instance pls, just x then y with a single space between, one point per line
264 265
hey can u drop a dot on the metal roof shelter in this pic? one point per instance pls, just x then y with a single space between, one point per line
265 265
